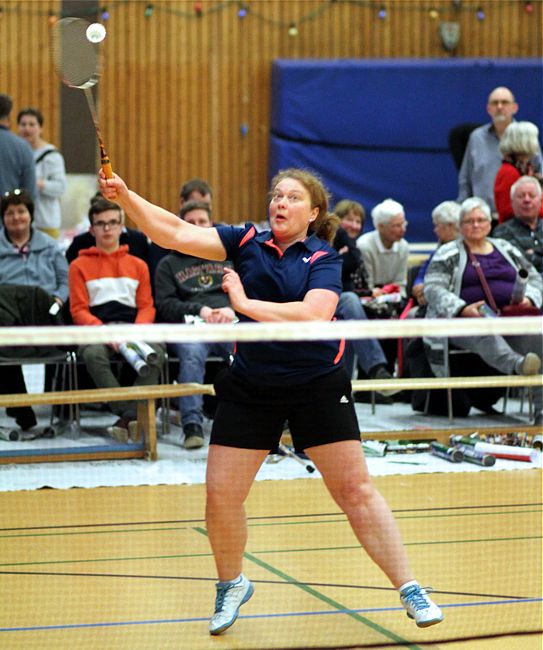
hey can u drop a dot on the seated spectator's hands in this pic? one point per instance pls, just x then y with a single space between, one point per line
418 294
472 311
218 315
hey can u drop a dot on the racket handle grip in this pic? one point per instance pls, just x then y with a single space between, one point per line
106 166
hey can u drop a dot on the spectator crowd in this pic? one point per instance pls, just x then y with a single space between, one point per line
488 261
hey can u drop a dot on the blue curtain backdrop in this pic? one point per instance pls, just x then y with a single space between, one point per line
379 128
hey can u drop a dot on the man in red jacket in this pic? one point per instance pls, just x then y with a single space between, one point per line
108 285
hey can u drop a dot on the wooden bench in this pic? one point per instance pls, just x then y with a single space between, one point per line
146 397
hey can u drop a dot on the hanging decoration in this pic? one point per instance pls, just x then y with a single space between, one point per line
253 9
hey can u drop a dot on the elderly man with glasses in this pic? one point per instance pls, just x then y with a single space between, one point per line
108 285
482 158
384 250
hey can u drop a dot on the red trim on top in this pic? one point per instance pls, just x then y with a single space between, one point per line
248 235
316 256
340 352
272 244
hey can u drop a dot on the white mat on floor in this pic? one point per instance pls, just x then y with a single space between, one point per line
177 465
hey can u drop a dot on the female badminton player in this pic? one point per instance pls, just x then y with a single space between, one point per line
290 273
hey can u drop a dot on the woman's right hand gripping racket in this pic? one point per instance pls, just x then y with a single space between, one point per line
78 64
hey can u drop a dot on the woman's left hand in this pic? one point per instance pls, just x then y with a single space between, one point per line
231 284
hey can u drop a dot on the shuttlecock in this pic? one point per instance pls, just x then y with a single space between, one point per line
96 33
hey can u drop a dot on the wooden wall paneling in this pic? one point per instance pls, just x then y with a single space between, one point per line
25 62
205 162
224 106
176 88
244 130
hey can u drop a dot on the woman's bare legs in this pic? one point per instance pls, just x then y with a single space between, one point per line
230 474
343 467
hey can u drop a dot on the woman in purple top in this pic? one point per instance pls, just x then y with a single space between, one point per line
290 273
452 288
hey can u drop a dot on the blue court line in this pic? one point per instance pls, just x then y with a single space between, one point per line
199 619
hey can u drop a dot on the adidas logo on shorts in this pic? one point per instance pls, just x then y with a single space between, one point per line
344 399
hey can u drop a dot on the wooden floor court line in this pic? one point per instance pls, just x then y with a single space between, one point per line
474 517
252 520
294 582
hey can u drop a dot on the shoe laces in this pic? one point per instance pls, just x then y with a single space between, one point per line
222 593
417 597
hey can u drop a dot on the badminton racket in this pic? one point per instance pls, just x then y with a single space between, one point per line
78 64
308 467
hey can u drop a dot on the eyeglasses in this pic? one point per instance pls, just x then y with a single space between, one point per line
397 226
102 225
474 222
496 102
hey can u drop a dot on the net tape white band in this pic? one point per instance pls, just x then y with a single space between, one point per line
279 331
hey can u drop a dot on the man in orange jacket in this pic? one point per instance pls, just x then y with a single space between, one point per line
108 285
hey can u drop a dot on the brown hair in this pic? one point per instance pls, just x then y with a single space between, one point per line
189 206
345 206
326 224
99 204
33 112
17 197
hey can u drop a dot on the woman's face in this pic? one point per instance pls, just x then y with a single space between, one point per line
291 211
352 224
475 226
29 128
445 232
523 161
17 221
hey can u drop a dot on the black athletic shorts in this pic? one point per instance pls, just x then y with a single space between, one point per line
252 416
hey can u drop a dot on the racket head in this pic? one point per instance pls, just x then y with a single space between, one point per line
77 60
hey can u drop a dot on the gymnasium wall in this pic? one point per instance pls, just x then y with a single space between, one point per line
381 128
185 94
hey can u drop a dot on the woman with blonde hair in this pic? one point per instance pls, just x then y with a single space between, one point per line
287 273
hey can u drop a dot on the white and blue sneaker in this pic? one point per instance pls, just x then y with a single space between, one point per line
420 606
230 597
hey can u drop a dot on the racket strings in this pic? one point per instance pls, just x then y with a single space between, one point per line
76 59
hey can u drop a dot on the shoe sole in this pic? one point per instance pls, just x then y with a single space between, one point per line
231 622
433 621
133 431
531 365
194 442
118 434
